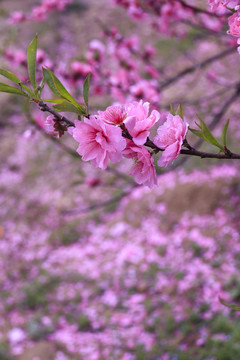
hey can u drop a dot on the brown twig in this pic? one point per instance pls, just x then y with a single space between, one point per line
100 204
216 119
45 107
199 10
228 155
195 67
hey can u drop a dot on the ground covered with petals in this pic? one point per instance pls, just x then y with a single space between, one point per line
140 282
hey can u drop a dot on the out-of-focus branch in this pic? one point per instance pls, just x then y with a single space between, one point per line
199 10
99 205
195 67
216 119
199 100
202 28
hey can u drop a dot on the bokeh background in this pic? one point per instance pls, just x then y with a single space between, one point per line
92 266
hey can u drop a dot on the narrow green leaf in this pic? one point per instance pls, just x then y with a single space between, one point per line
86 86
31 62
172 111
230 306
66 107
41 86
180 111
63 92
50 82
54 101
224 133
15 79
12 90
10 76
231 9
208 136
198 125
196 132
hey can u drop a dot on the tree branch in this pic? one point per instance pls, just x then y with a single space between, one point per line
100 204
228 155
191 152
197 66
45 107
199 10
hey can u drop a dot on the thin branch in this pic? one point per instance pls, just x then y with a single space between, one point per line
194 152
197 66
205 155
100 204
56 141
203 98
204 29
224 108
199 10
45 107
216 119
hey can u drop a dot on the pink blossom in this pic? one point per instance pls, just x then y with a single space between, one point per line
170 137
50 126
98 141
113 115
147 89
41 56
97 45
143 169
80 68
92 181
17 17
215 4
234 24
96 50
38 14
138 122
16 335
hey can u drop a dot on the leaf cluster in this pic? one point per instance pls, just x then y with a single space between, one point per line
64 101
205 133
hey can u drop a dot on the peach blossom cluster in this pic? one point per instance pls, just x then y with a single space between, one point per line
123 131
234 25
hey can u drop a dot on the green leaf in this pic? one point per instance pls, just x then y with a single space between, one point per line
12 90
41 86
15 79
31 61
230 306
54 101
208 136
198 125
50 83
86 86
196 132
180 111
66 107
224 133
63 92
10 76
172 111
231 9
